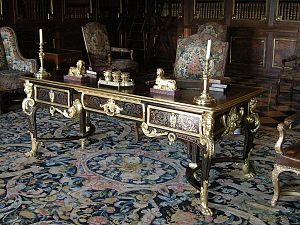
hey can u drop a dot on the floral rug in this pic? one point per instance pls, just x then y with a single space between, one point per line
122 179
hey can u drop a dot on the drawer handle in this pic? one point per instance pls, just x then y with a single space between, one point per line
111 108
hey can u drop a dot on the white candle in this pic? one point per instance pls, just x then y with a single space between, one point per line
41 36
208 49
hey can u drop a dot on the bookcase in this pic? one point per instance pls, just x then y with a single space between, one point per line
170 8
209 9
33 10
77 9
288 10
249 10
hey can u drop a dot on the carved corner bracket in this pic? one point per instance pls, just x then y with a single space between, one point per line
28 103
233 120
253 117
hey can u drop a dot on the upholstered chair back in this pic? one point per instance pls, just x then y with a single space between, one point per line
191 53
12 63
97 43
213 29
100 52
13 57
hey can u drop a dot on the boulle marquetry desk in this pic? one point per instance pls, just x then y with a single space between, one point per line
171 116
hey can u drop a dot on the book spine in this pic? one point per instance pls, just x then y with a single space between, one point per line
216 89
219 85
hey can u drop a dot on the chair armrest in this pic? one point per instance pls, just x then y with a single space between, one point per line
123 50
23 64
292 120
288 59
283 128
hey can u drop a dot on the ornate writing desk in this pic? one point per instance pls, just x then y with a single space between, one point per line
172 116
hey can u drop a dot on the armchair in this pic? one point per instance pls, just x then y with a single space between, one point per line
291 76
287 156
190 57
100 52
12 63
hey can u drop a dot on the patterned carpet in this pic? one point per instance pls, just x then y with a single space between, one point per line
120 180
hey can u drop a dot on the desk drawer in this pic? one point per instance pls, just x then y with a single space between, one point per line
52 96
173 120
130 109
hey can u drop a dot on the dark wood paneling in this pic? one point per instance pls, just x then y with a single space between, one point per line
248 50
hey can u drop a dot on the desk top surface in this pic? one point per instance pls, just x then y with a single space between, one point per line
60 51
234 95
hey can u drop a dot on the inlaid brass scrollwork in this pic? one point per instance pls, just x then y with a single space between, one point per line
173 120
51 95
253 117
28 103
111 108
72 112
233 120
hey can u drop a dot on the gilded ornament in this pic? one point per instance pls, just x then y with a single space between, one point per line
72 112
153 132
28 103
253 117
111 108
233 120
162 83
79 70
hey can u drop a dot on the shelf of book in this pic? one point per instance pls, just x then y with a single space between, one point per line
288 10
209 9
249 10
77 9
34 10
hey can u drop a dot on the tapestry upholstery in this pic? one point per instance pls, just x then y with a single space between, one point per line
16 64
99 50
3 61
191 53
214 29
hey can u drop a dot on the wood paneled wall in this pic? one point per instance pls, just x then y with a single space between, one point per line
259 38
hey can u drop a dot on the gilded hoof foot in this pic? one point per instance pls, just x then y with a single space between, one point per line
250 175
206 211
30 154
248 171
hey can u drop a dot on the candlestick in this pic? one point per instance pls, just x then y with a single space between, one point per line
208 49
41 36
42 72
205 98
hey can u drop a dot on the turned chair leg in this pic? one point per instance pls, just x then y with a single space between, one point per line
275 174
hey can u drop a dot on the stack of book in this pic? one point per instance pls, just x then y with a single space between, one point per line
219 84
